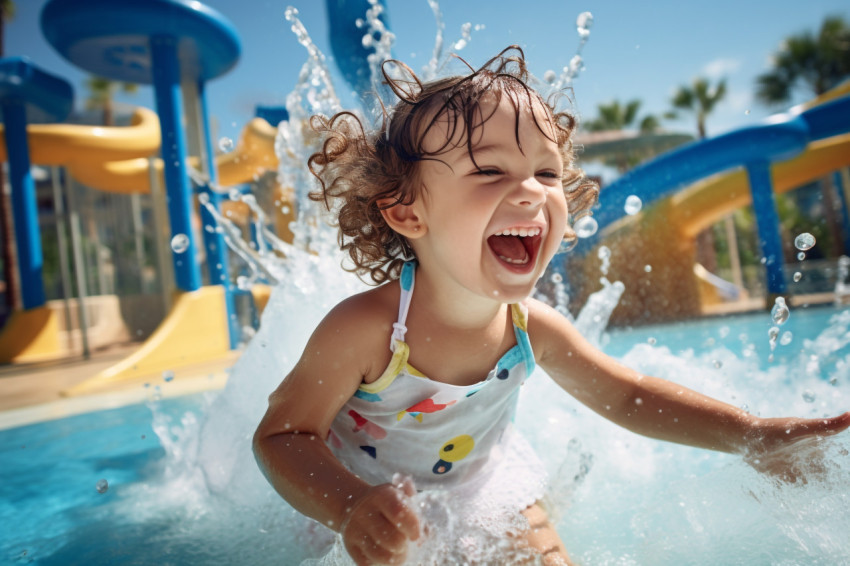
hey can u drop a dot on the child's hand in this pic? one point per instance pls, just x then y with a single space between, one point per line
380 524
788 448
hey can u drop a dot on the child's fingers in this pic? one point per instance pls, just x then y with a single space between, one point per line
376 541
401 516
818 427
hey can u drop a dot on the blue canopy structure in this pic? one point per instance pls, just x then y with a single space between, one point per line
28 94
175 45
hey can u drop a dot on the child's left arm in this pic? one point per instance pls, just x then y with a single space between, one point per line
656 407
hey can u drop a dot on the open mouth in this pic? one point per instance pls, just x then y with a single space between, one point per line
516 246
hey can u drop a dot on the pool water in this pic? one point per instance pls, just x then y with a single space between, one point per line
183 488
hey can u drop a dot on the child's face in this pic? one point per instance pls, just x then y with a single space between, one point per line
493 230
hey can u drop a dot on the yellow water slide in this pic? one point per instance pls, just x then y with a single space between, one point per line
118 159
709 200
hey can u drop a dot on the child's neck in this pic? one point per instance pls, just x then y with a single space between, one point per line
453 306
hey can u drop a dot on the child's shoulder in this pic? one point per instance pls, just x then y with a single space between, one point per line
370 312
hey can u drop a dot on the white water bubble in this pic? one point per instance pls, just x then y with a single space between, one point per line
809 396
804 241
586 226
718 364
786 338
633 205
203 198
550 76
583 24
780 313
797 276
167 375
180 243
225 144
801 256
647 268
235 194
651 341
102 486
557 278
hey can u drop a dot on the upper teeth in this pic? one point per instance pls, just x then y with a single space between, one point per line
519 232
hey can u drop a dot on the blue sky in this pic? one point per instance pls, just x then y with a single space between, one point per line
635 50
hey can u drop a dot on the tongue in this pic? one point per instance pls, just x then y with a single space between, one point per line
508 246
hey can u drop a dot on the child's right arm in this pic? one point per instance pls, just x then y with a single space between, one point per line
290 448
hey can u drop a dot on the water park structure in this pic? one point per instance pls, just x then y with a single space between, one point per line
128 466
179 46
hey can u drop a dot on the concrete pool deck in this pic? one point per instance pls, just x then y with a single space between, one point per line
34 392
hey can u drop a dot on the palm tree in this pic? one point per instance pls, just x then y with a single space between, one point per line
699 98
101 94
9 257
616 116
816 62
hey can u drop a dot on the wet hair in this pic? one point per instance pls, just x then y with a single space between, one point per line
370 171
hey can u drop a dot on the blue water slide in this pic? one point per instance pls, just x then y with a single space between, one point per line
346 40
755 147
169 44
28 95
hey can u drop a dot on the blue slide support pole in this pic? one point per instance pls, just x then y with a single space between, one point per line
767 219
845 211
166 82
214 244
24 206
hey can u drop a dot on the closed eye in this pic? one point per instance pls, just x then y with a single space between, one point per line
488 172
548 174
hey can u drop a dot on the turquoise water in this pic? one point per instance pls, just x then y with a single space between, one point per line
619 498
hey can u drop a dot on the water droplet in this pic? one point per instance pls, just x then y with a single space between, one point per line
235 194
586 226
633 205
180 243
647 268
718 364
804 241
583 24
225 144
167 375
650 341
809 396
747 112
801 256
102 486
786 338
203 198
772 335
550 76
557 278
797 277
780 313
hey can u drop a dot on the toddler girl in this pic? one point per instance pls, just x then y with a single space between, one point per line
455 208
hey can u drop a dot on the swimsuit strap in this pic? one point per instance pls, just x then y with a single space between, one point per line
406 282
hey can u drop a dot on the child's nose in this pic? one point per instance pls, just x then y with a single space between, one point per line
530 193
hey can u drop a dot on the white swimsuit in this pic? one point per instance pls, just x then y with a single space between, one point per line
443 436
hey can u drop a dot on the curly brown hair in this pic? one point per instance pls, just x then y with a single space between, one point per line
368 172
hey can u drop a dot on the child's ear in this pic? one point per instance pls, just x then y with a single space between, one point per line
404 219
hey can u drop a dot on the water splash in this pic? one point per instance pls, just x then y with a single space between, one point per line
570 72
209 467
439 59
